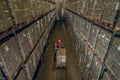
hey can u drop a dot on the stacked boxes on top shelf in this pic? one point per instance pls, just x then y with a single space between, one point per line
109 11
4 16
20 10
99 9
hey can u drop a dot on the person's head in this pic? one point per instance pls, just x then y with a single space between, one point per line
59 40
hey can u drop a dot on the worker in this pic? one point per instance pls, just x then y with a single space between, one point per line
55 50
59 43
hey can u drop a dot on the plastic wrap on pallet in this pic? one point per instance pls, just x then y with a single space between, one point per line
48 30
93 34
113 58
74 20
46 20
82 65
89 57
71 18
1 76
78 48
11 55
49 17
20 7
99 8
43 22
36 31
90 8
31 65
38 51
36 56
83 68
4 16
44 39
42 25
77 42
41 44
38 28
82 25
75 27
82 6
87 63
109 11
96 68
21 76
25 41
44 36
77 22
82 45
35 6
32 34
47 33
82 48
102 43
87 29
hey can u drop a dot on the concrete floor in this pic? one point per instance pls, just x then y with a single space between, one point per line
48 70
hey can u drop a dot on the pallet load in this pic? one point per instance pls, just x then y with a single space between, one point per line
61 57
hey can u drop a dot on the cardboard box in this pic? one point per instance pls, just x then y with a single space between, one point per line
96 68
102 43
12 55
93 34
25 41
61 57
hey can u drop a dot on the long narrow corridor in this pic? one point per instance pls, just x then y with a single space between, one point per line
48 69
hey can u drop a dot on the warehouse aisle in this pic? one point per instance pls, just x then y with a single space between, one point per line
48 70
